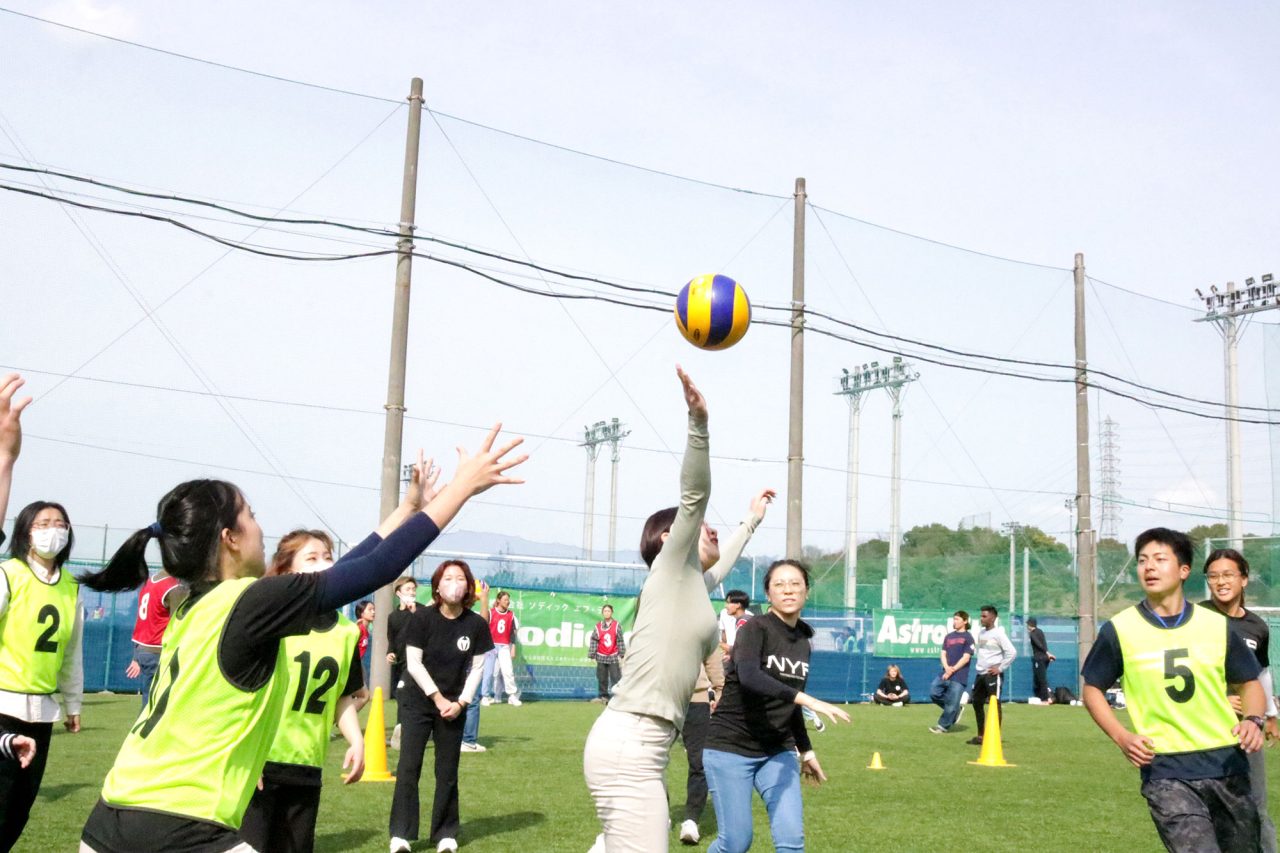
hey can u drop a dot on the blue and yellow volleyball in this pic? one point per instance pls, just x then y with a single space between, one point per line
712 312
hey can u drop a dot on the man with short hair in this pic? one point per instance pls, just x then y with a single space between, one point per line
1041 657
734 615
1227 572
1176 662
995 655
947 690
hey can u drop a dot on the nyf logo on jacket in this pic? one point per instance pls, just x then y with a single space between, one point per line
787 667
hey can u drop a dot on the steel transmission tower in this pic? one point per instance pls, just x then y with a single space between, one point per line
601 432
1224 310
1110 523
853 385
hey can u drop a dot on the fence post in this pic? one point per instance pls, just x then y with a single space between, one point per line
111 635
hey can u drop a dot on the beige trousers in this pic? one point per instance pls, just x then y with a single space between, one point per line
625 763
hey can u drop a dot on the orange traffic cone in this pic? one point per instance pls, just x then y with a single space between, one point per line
876 763
992 754
375 743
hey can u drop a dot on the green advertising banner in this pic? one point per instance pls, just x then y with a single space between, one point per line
910 633
554 628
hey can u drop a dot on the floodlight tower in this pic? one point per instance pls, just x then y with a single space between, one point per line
1012 528
1224 310
593 437
900 375
1110 523
614 433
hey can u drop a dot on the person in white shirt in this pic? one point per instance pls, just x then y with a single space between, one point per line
732 617
995 656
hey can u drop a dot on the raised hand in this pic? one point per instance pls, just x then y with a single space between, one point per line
422 483
11 417
488 467
760 503
692 396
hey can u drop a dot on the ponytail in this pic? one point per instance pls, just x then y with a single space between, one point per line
191 518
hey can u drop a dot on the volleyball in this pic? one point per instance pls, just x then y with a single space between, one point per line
712 312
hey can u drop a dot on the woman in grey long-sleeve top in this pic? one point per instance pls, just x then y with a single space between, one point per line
626 754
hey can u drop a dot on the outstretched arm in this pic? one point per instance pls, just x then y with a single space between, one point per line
695 484
734 546
10 435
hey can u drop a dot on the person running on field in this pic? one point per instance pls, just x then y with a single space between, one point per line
947 690
626 753
758 726
1227 572
995 656
502 629
325 683
441 643
156 599
1176 663
189 766
606 647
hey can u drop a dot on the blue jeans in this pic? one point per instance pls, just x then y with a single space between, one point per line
946 695
471 729
486 677
148 662
731 779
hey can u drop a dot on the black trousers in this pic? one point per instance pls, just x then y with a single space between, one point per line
607 676
1204 814
880 700
281 818
18 786
697 722
984 687
1040 672
419 724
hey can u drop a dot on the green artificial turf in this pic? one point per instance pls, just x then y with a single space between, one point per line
1071 789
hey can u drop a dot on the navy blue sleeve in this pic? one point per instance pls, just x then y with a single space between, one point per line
748 646
368 544
1104 665
352 578
1242 666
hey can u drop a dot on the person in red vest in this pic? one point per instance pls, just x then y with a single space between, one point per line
502 628
156 598
606 649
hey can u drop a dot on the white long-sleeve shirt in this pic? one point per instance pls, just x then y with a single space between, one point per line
33 708
994 649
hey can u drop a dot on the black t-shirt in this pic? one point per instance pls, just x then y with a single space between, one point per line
396 624
1251 628
757 715
448 645
889 686
1105 664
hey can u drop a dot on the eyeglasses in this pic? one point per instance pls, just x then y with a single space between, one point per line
1213 577
783 585
45 525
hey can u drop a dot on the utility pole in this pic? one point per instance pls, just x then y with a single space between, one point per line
617 432
1087 580
393 437
1011 528
853 386
795 433
901 375
1224 310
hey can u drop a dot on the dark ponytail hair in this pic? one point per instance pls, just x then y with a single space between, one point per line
20 547
191 518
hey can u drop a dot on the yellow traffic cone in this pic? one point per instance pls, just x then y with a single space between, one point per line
876 763
375 743
992 754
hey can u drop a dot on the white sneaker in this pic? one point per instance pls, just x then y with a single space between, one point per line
486 701
514 700
818 725
473 747
689 832
447 844
598 847
399 845
394 743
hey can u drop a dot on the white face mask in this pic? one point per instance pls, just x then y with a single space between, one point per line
407 597
316 566
453 591
49 541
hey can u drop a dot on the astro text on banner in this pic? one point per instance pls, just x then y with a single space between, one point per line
910 633
555 627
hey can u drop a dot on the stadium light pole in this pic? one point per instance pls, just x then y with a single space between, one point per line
901 375
1011 530
616 432
1224 310
393 436
593 437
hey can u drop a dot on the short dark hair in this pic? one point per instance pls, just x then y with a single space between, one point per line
603 606
1178 541
990 608
795 564
468 599
651 537
738 597
1228 554
21 544
1032 623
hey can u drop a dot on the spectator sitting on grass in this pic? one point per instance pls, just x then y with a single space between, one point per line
892 690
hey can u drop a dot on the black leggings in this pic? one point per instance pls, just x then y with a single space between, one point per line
19 786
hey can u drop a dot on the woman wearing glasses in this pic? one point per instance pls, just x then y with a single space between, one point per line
758 726
40 633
